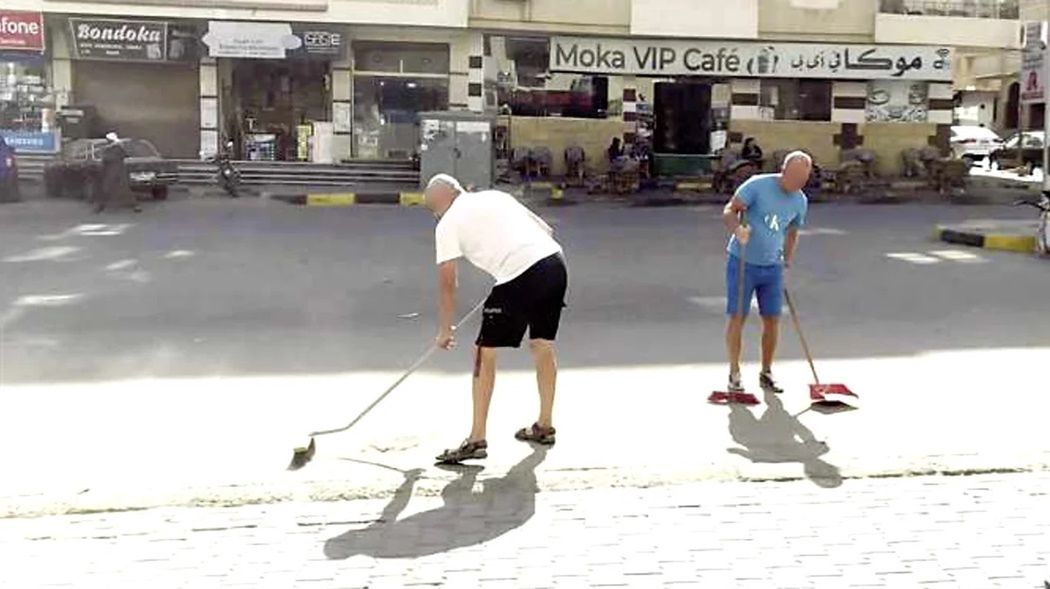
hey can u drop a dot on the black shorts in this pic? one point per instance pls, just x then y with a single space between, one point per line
533 300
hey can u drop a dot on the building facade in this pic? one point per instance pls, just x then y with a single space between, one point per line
329 80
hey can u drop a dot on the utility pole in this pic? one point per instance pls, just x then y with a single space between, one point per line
1046 105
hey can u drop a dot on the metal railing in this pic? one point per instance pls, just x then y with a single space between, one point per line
999 9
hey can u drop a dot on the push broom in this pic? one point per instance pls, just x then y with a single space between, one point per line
826 396
729 397
302 455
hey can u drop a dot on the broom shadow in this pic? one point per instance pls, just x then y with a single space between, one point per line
467 518
777 437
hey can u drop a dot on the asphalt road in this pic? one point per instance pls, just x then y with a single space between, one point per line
253 288
175 356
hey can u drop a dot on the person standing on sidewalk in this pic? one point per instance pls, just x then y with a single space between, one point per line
499 235
775 208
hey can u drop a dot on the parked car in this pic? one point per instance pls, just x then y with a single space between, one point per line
8 173
78 169
1029 154
973 143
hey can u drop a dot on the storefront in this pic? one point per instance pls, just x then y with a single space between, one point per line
275 88
392 83
140 77
27 105
705 95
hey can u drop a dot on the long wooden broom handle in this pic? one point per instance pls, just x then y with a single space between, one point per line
422 360
802 338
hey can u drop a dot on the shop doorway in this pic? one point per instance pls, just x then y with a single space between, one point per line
393 83
159 103
270 107
683 119
385 112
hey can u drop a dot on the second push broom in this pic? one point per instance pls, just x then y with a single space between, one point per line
828 396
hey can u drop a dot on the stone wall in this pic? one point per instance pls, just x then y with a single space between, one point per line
826 141
817 138
556 134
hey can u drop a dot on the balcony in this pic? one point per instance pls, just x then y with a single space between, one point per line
996 9
980 24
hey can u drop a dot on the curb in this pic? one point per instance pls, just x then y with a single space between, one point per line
347 199
548 191
1005 242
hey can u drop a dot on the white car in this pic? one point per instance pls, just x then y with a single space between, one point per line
974 143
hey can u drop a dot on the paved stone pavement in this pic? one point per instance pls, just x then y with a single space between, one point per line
979 532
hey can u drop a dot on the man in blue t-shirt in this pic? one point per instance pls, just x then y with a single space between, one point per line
774 208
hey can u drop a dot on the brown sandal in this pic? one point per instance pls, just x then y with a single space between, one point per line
536 433
467 451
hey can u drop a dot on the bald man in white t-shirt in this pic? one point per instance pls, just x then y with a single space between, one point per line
499 235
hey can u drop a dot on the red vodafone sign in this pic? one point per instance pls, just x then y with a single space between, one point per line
21 31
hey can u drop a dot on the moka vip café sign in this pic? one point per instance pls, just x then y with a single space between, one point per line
648 57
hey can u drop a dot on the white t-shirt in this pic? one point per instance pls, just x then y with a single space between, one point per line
495 232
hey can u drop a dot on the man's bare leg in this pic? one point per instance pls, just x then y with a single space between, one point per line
546 378
484 382
734 337
770 336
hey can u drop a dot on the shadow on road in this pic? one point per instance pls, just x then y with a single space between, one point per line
778 437
467 518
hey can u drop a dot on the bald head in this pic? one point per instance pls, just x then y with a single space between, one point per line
794 175
440 192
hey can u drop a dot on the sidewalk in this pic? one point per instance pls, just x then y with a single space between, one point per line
227 441
980 532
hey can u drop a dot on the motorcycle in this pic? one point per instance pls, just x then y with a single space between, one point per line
1042 236
732 171
228 176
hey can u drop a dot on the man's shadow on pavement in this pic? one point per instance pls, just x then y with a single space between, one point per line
779 437
467 518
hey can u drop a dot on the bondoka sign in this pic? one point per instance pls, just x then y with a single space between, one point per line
777 60
21 31
119 39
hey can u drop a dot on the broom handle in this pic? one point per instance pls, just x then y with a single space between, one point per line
741 270
802 338
422 360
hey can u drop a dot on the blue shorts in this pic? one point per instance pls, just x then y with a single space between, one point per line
765 282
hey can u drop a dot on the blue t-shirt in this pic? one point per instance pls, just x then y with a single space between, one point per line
770 211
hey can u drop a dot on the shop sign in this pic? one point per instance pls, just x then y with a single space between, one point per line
21 31
30 142
319 42
1033 76
1033 65
272 41
897 101
122 40
592 55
